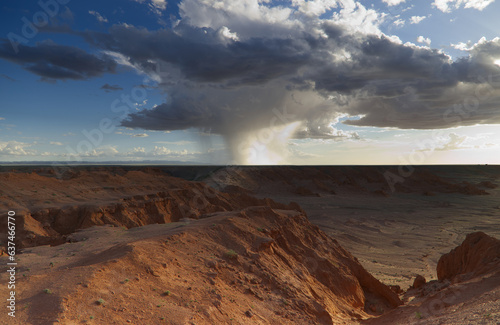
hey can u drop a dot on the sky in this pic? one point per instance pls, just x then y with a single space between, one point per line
257 82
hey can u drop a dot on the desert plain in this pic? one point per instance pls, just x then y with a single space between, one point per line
252 245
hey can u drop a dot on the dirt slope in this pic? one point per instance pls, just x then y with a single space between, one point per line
254 266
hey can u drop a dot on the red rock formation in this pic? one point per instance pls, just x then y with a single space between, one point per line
478 254
48 208
419 281
272 266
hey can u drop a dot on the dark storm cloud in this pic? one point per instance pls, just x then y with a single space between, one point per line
219 81
202 57
390 84
109 88
57 62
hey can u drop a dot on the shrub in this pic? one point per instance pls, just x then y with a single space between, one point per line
231 254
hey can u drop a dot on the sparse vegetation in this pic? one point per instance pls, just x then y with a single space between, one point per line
231 254
100 301
47 291
166 293
418 315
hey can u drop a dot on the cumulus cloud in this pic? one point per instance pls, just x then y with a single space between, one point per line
314 7
462 46
15 148
449 5
393 2
399 22
417 19
57 62
424 40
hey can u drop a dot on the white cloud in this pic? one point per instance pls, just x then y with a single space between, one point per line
164 151
448 5
138 151
156 6
277 21
478 4
226 34
483 42
442 5
2 118
399 22
424 40
357 18
107 151
454 142
314 7
393 2
417 19
56 143
15 148
159 4
99 17
238 16
161 151
133 135
462 46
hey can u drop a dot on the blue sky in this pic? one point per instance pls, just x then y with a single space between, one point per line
250 82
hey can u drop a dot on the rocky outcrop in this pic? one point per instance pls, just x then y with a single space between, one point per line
50 208
419 281
52 225
256 265
478 254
